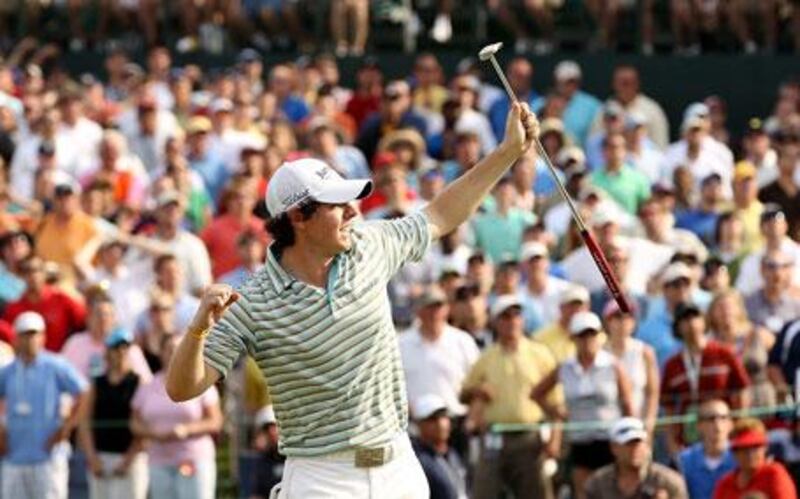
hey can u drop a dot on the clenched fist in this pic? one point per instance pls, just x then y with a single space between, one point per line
522 128
215 301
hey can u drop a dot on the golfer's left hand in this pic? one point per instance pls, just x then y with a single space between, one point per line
522 128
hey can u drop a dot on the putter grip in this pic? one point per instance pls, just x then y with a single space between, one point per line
605 270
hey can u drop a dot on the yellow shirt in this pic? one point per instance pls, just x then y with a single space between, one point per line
751 225
60 243
558 341
511 376
431 97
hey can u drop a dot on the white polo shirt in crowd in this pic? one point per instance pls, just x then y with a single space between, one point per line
438 367
330 356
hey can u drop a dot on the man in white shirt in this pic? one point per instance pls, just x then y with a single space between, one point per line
697 151
541 294
773 229
436 356
82 134
627 92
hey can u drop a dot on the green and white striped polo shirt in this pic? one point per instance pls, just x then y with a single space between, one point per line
330 356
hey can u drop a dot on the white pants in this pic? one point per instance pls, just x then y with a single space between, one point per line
329 478
131 486
48 480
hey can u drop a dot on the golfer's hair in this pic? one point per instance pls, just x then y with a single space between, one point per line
281 229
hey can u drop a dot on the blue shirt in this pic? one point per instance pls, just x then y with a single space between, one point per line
11 286
702 223
295 109
445 473
580 114
32 395
499 112
656 331
700 479
213 172
544 185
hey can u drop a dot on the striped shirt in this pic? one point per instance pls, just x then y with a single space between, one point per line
330 356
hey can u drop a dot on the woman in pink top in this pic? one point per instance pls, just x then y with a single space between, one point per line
181 451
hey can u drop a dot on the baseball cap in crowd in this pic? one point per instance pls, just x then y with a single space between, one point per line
118 337
571 155
29 322
711 177
503 303
533 250
247 56
311 179
583 322
574 293
168 197
685 311
755 127
627 430
265 416
676 271
396 89
64 183
567 70
221 105
613 109
428 405
772 212
635 119
603 216
696 110
692 122
751 437
744 170
611 308
198 124
662 188
47 148
432 296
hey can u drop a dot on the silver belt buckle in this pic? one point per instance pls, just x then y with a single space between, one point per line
370 458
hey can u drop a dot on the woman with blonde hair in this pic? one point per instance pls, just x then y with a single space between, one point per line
729 324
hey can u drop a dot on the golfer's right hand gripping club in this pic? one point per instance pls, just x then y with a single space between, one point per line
487 53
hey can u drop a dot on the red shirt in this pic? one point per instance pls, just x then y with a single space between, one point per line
220 237
771 479
360 106
720 375
63 315
6 332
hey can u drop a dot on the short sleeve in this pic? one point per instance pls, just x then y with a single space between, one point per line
69 379
231 336
210 397
476 375
400 240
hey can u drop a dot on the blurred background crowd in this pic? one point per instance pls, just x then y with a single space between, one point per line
127 188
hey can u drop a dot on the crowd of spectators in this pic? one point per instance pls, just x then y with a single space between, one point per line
122 199
685 27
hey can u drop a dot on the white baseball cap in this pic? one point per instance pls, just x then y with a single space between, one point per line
503 303
584 321
28 322
265 415
427 405
574 293
311 179
627 430
675 271
533 249
567 70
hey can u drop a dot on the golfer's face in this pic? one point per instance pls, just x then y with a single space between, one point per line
330 226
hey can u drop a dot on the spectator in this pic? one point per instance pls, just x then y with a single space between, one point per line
466 154
497 389
582 108
160 324
619 259
627 92
180 449
282 83
555 335
784 191
202 159
729 324
611 120
542 292
499 233
773 228
252 253
757 149
436 357
746 205
86 351
64 314
777 301
638 360
697 151
350 14
121 169
741 15
702 219
35 435
395 112
703 464
429 95
66 230
658 224
633 474
468 313
596 390
15 246
117 465
754 474
324 144
82 134
220 236
701 370
366 98
191 254
516 18
442 466
269 470
168 281
643 155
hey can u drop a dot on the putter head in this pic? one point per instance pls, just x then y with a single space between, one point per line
488 51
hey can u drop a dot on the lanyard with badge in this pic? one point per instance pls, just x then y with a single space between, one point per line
692 365
23 406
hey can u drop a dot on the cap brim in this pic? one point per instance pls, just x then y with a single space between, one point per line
344 191
631 436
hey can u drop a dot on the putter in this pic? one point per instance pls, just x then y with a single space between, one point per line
487 53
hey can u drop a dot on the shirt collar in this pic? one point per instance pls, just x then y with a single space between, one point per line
280 279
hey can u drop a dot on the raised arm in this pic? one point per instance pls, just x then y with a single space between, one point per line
460 199
188 374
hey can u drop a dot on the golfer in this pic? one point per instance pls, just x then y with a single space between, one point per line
317 320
